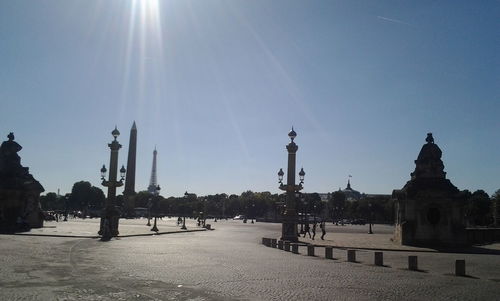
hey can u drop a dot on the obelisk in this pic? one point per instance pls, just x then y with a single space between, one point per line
129 191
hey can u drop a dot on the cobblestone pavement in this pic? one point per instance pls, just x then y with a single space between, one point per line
228 263
381 239
88 228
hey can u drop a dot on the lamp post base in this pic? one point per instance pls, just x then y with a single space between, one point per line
109 223
289 227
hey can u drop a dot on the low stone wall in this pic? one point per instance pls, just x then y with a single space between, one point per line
477 236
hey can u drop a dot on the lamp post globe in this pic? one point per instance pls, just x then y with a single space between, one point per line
103 172
280 175
123 171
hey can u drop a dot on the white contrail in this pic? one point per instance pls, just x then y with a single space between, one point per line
393 20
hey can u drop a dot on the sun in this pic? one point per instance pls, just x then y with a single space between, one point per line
149 6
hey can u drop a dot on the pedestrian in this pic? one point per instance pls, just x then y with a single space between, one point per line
314 230
307 230
322 225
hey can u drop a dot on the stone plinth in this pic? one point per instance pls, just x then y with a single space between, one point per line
19 191
429 208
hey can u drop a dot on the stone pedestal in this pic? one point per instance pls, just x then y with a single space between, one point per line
429 208
19 192
328 252
378 258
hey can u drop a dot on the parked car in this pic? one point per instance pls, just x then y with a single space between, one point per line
239 217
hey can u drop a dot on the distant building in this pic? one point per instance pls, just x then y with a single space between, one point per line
351 194
354 195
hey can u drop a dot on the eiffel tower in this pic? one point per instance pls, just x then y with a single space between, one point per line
153 187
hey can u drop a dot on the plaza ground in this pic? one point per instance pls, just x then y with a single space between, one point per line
229 263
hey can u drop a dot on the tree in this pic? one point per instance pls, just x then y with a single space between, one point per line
496 208
84 196
479 208
80 196
51 201
97 198
337 205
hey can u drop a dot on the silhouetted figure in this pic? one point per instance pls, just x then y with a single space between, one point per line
307 230
322 225
314 230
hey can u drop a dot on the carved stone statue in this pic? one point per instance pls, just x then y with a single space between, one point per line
19 191
9 159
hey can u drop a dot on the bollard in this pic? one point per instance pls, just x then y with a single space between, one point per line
295 248
379 258
273 242
460 267
287 246
351 255
310 250
280 244
412 263
328 252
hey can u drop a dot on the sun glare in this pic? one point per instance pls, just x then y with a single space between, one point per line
149 5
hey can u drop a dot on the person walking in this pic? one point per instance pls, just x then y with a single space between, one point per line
307 230
314 230
323 230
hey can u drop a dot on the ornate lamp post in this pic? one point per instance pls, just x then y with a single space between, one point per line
151 204
289 224
370 219
186 194
111 215
155 210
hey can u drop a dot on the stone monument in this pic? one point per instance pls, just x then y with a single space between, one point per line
129 192
19 191
429 208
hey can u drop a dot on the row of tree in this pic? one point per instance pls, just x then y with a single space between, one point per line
86 198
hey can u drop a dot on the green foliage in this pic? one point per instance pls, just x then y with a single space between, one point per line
478 209
51 201
337 205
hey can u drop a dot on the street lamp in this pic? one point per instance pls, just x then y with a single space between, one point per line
150 204
302 175
280 176
186 194
111 215
155 210
103 172
253 212
289 223
370 218
122 172
314 213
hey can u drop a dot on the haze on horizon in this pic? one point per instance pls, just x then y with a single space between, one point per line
216 86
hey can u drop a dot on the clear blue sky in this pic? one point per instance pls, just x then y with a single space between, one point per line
216 86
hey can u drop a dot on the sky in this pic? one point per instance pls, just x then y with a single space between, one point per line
216 86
